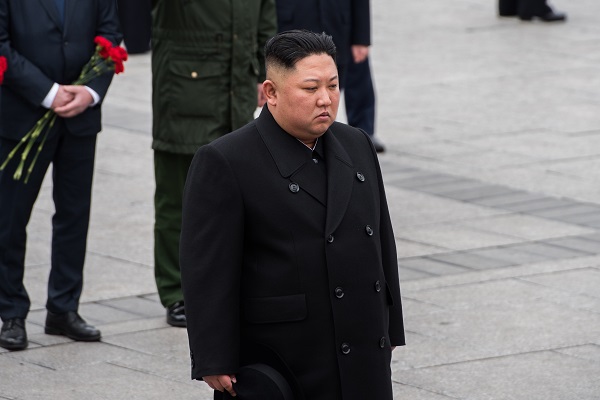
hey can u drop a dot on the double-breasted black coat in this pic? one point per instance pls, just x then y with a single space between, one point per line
282 266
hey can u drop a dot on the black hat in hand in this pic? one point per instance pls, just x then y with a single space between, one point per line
259 382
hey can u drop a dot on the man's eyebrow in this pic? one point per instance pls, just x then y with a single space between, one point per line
318 80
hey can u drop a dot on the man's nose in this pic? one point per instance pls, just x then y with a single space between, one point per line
324 98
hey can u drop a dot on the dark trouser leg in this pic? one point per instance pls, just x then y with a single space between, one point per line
16 204
72 173
359 95
170 172
529 8
507 8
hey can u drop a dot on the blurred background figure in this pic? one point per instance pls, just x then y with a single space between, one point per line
349 23
207 65
526 10
136 22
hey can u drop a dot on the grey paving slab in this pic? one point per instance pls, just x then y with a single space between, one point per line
549 251
579 281
470 260
538 205
503 199
136 305
449 187
525 227
481 192
512 378
509 254
576 243
430 266
424 179
453 236
562 212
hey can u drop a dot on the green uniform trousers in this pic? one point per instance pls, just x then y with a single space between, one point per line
170 172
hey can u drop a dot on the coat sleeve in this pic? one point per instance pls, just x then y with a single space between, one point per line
107 27
390 263
211 248
22 76
361 23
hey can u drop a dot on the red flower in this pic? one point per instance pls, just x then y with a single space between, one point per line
104 46
118 55
3 68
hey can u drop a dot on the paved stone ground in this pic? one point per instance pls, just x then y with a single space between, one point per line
493 134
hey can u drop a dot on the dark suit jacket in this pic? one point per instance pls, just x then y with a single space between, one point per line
273 267
347 21
40 51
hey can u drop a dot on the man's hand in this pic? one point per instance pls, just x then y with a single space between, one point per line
62 98
262 98
359 53
81 100
221 383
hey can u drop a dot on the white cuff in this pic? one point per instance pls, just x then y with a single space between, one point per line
49 99
95 95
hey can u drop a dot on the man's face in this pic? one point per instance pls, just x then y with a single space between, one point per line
304 101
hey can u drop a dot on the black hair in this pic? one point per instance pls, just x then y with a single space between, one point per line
287 48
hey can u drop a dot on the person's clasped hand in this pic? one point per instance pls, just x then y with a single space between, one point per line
80 100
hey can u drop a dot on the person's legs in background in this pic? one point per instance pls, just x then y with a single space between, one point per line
359 96
170 171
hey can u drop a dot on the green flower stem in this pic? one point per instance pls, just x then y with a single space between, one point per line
34 134
39 149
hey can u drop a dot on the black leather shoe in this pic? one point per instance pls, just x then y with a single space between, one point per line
71 325
176 315
13 335
379 146
549 17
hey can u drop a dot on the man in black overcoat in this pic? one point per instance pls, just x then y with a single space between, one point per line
288 256
46 44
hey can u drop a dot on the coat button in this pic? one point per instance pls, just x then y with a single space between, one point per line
360 177
369 230
339 292
194 74
294 187
345 348
382 342
330 239
377 286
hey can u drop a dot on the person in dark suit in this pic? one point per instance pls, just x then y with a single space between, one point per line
46 43
288 255
349 23
526 10
136 23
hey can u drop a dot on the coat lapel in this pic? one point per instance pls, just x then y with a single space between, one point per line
50 8
340 179
70 6
290 160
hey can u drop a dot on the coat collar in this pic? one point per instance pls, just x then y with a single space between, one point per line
340 171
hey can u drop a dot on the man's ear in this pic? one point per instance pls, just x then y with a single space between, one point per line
270 91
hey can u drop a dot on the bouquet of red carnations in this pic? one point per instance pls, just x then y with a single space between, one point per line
106 58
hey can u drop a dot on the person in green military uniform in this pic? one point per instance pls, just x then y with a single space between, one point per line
207 63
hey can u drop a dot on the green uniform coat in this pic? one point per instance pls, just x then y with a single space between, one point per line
207 58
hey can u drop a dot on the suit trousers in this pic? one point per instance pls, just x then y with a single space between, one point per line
170 172
359 95
72 159
523 8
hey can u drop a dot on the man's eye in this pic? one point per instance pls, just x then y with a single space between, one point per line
333 86
311 89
